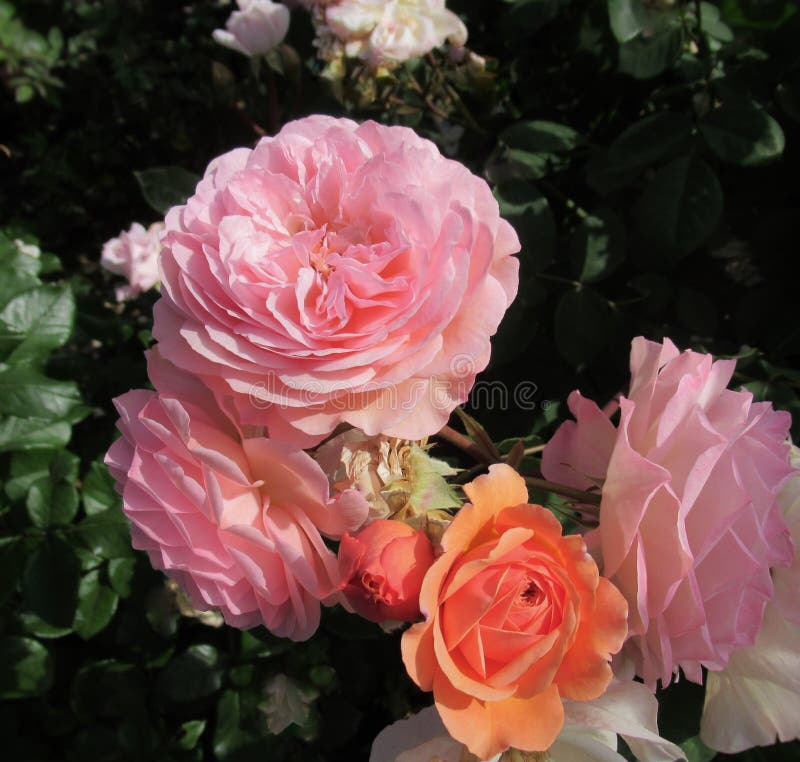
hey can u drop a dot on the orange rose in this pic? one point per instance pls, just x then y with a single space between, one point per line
517 618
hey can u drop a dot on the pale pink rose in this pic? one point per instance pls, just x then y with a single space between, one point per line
238 523
396 30
754 701
256 28
354 18
336 273
689 521
134 255
627 709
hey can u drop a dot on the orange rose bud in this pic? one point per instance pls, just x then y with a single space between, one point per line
381 570
517 619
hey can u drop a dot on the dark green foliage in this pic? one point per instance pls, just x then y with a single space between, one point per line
646 153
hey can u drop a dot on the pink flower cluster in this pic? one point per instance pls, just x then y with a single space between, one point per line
342 275
337 273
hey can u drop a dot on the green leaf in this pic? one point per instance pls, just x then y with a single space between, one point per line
50 582
36 322
12 559
287 702
18 267
598 246
743 133
26 469
192 675
583 325
50 503
120 574
540 137
681 206
96 606
696 751
643 143
98 493
32 433
647 57
190 734
106 534
533 148
227 736
26 668
64 467
758 14
529 213
36 626
26 393
628 18
713 26
165 187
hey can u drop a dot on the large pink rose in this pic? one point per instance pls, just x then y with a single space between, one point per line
689 521
236 522
336 273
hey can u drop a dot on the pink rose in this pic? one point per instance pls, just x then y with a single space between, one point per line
689 521
336 273
236 522
382 568
134 255
754 700
256 28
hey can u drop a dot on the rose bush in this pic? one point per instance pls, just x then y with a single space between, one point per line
689 521
134 255
336 273
238 523
517 619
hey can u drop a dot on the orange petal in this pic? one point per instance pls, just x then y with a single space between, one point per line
585 673
418 654
546 526
500 488
491 727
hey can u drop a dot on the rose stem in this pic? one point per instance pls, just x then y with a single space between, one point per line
465 444
578 495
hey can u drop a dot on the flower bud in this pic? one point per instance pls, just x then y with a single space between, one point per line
381 570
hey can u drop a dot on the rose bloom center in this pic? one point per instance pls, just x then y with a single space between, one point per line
499 613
